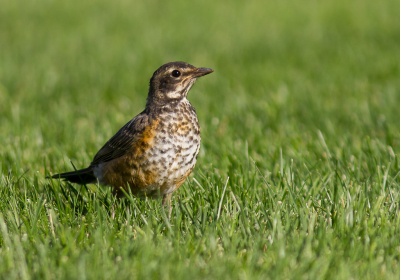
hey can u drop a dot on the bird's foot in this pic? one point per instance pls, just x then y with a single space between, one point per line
167 199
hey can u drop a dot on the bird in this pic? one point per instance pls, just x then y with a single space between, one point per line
153 154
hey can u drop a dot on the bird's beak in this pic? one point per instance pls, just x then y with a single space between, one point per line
198 72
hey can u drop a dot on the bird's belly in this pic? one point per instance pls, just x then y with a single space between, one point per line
174 160
161 169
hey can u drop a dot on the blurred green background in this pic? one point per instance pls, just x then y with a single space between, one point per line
73 73
300 82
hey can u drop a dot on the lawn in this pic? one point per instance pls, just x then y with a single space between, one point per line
298 172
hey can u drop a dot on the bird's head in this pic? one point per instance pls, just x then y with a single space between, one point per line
172 82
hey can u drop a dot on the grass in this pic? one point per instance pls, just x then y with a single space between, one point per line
298 174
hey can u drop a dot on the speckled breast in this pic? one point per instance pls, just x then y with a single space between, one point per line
175 146
161 158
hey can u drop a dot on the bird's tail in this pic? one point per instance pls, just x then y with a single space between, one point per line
82 176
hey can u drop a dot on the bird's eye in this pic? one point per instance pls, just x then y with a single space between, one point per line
176 73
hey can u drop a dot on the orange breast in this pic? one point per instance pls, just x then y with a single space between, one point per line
133 169
161 159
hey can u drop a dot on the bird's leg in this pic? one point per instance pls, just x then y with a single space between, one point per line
112 210
167 198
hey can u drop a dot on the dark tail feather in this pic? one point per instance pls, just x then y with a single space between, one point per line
83 176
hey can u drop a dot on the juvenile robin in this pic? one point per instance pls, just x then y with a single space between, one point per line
154 153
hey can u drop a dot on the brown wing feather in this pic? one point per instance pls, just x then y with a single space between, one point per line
124 140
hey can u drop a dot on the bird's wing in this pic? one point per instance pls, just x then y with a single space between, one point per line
124 140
